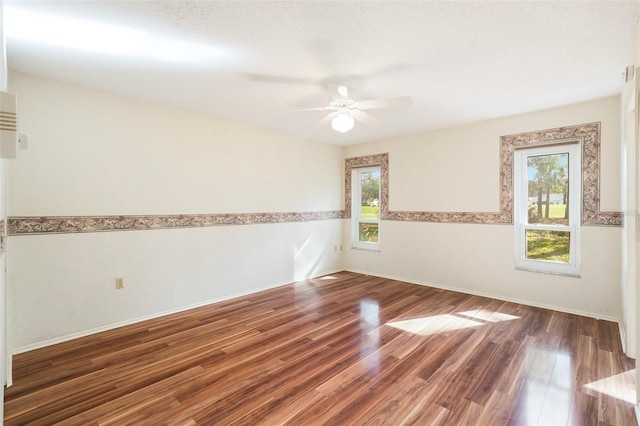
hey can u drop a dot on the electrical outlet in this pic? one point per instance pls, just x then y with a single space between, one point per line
119 283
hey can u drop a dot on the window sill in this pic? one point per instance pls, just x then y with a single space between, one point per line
371 249
562 274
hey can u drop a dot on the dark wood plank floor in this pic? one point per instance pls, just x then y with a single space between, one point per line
343 349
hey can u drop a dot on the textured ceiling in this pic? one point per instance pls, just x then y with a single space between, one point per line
255 62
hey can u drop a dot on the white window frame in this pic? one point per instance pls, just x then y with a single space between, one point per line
521 216
356 193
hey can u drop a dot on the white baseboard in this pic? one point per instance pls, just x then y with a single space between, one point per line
493 296
107 327
9 372
83 333
623 341
623 337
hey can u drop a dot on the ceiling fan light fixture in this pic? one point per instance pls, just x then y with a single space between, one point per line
342 122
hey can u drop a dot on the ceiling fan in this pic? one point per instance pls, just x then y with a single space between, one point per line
345 111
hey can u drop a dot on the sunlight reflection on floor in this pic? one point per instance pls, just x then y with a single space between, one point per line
435 324
426 326
621 386
488 315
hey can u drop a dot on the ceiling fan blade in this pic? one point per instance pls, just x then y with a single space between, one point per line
338 93
324 108
266 78
365 118
386 103
327 119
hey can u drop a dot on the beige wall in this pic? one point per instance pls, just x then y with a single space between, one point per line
458 170
92 153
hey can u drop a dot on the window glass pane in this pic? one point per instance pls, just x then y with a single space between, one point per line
370 195
548 183
368 232
548 245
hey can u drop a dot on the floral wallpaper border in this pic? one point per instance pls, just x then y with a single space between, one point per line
3 237
381 160
79 224
588 135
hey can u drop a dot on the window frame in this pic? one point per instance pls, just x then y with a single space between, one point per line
356 219
521 216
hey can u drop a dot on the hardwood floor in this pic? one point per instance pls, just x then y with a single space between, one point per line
343 349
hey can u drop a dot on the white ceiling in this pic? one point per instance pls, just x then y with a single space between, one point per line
256 61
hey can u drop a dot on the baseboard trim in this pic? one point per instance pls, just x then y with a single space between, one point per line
9 372
492 296
623 340
107 327
84 333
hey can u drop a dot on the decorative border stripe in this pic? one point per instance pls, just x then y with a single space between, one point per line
381 160
588 135
3 237
81 224
447 217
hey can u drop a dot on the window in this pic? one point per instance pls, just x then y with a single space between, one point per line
365 204
547 209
